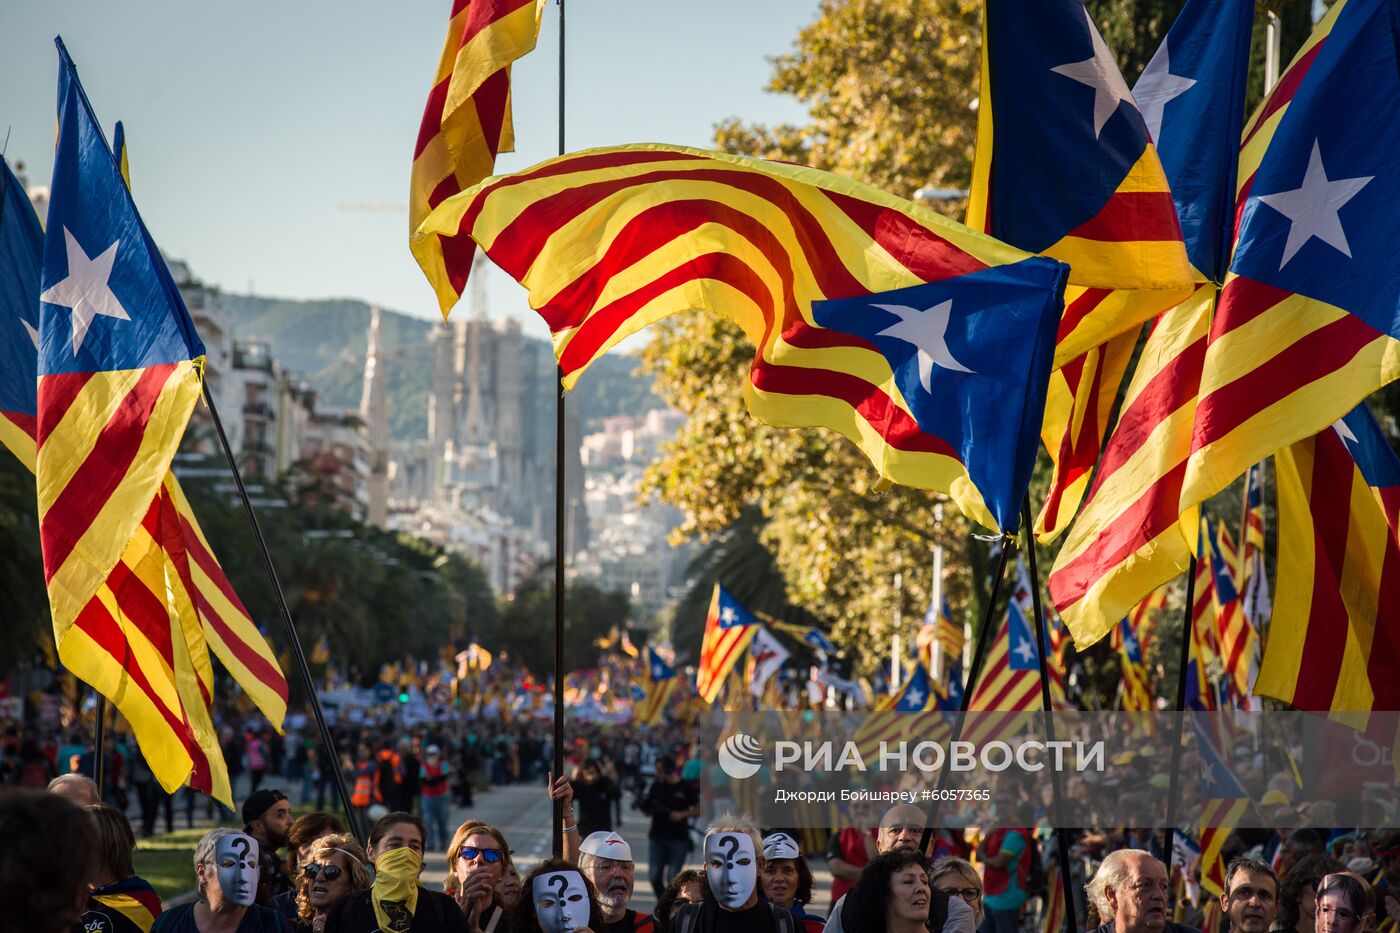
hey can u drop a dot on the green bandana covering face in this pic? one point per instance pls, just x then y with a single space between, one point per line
395 890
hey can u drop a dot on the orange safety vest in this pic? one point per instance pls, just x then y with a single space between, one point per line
364 793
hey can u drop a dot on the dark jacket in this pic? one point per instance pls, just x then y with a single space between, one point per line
1169 928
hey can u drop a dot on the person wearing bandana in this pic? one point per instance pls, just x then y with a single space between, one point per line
555 897
226 870
733 864
396 902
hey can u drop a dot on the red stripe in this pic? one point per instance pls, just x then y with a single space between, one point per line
491 101
1324 351
1324 645
1149 515
163 524
1133 215
1285 89
916 247
1174 385
1384 659
898 429
56 395
1080 308
143 609
29 424
93 483
482 13
1078 451
1242 301
432 116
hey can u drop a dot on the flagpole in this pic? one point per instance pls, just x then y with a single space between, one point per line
286 614
1042 646
98 762
979 654
1180 707
559 508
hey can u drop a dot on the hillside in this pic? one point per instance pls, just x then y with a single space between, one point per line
325 341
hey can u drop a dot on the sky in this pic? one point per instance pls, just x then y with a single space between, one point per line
270 142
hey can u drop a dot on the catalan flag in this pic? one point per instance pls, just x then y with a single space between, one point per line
1010 680
1334 644
21 252
118 376
126 904
1252 573
939 628
1137 690
1223 803
657 687
729 628
871 315
1236 641
466 124
1307 325
893 719
1126 542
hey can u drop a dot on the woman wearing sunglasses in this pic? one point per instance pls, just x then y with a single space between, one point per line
478 858
333 868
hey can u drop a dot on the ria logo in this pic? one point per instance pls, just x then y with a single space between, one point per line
741 756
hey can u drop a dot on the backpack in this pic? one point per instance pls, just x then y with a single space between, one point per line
688 920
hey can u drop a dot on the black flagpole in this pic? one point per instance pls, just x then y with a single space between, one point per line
1177 723
560 504
334 757
98 764
979 654
1042 648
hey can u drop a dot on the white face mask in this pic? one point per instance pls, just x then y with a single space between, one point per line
561 901
236 865
731 867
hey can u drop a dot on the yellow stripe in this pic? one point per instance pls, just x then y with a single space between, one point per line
101 545
1146 175
979 192
490 50
73 439
1320 31
1119 312
1130 264
18 442
1283 651
130 908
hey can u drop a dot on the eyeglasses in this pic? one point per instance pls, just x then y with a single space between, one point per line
317 869
1341 913
490 856
967 893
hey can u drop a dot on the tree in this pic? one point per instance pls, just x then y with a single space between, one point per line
527 624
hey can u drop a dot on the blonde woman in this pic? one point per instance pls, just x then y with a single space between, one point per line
334 867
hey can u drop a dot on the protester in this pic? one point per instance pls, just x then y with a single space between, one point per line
396 902
1345 903
435 777
556 898
1250 899
1130 891
955 876
1006 856
267 817
787 879
46 862
594 797
892 895
508 888
606 861
305 831
688 887
670 803
901 828
477 859
334 867
120 902
1297 899
1388 887
852 849
733 864
408 776
364 791
78 788
226 875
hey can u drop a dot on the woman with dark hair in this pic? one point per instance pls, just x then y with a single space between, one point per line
396 902
1344 902
786 879
115 886
555 897
688 887
892 895
304 833
1297 896
46 861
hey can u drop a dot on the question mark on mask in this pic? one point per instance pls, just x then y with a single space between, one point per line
560 883
240 843
731 845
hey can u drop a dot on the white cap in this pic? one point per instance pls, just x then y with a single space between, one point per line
780 845
606 845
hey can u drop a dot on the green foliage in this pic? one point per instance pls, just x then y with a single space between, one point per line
23 603
526 629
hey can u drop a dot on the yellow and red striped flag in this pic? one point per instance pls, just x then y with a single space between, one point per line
658 683
610 240
1055 906
1236 640
466 124
729 628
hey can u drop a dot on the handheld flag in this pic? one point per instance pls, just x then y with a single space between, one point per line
873 316
1307 324
21 250
660 682
466 124
767 655
729 628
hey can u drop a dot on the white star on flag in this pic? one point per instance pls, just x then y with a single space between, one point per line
727 615
915 697
1312 208
927 332
1156 88
85 291
1023 651
33 332
1100 72
1345 433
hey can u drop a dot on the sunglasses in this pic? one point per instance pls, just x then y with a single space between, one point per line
317 869
490 856
967 893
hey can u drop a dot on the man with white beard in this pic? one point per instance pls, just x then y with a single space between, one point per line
606 860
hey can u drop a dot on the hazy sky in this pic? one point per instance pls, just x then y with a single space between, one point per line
270 142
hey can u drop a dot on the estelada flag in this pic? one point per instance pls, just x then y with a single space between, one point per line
902 330
729 628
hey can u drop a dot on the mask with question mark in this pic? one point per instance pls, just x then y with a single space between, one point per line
236 865
561 901
731 865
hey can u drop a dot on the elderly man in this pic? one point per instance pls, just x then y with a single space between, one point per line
1130 888
605 859
1251 896
79 788
902 827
